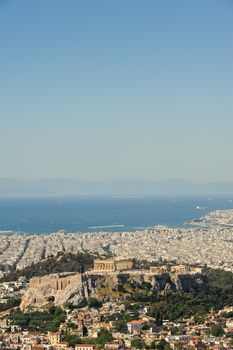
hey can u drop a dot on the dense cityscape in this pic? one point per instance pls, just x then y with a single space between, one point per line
116 179
116 303
211 244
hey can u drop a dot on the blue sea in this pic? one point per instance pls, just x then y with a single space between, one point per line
81 214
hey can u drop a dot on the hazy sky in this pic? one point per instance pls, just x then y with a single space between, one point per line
113 89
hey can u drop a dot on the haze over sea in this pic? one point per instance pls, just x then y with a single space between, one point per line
93 214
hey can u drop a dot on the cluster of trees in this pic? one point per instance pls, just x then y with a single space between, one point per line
227 314
104 336
94 303
72 339
11 302
138 343
62 262
174 306
120 319
217 294
220 287
217 330
44 321
90 302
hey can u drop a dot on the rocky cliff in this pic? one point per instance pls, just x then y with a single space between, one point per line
72 287
55 288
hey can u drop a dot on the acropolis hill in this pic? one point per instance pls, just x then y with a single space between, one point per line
114 264
210 243
109 280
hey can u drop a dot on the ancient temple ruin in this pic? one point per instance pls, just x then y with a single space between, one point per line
113 264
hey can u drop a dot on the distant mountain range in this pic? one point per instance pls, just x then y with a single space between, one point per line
18 187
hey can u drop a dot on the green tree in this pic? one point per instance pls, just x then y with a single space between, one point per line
199 319
146 327
175 330
11 302
121 326
71 339
71 325
217 330
137 343
104 336
43 321
163 345
158 318
153 345
95 303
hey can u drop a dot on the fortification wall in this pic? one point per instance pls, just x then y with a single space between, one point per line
56 282
106 286
179 270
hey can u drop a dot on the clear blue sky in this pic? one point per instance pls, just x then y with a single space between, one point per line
115 89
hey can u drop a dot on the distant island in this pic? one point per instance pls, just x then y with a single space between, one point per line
53 187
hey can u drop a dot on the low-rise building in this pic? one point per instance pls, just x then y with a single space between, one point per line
85 347
54 338
62 346
115 345
135 326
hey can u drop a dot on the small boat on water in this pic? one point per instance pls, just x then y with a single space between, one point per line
200 208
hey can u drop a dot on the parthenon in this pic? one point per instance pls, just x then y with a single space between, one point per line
113 264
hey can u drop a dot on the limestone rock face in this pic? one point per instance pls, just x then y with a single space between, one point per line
118 285
57 288
74 287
